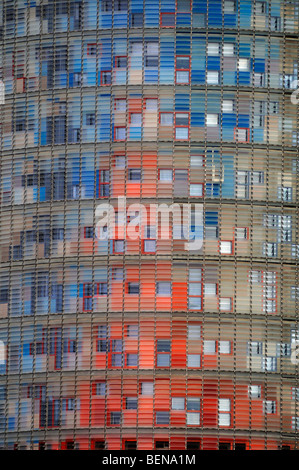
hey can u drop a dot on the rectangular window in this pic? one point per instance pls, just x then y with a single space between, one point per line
254 391
134 174
182 69
193 361
120 105
229 6
104 183
226 247
195 289
181 126
163 352
162 418
133 288
228 49
115 418
151 54
212 77
228 106
224 410
163 289
225 304
213 48
212 120
106 77
166 119
147 388
121 62
241 233
119 133
167 20
131 403
243 64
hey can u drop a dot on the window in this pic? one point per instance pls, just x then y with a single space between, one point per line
90 119
210 289
192 408
209 347
162 418
149 243
285 193
133 288
183 6
224 347
212 120
115 418
166 119
269 364
117 274
91 50
193 361
163 289
227 106
88 232
241 233
196 189
258 79
104 183
224 409
163 352
147 388
121 62
131 403
254 391
166 175
178 403
136 119
270 249
134 174
243 64
132 331
225 304
269 407
255 348
241 134
275 23
151 54
229 6
167 20
226 247
196 161
100 389
118 246
120 105
195 289
228 50
103 344
181 126
212 77
151 105
119 133
120 162
194 332
106 77
137 20
182 69
260 8
213 48
116 353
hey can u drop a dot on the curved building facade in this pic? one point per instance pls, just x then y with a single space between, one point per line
143 339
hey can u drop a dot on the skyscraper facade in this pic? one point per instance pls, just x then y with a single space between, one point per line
178 337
